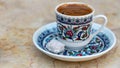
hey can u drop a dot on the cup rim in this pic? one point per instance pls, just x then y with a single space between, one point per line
56 11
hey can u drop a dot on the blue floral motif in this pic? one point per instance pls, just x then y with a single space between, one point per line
80 34
73 33
73 21
98 44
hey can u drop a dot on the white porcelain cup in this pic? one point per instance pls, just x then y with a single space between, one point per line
74 31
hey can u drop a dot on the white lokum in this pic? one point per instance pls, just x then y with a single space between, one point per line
55 46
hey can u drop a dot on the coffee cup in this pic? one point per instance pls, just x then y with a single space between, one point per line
74 23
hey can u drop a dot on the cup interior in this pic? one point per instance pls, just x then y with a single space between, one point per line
79 3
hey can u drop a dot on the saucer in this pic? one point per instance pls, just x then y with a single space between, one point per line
98 46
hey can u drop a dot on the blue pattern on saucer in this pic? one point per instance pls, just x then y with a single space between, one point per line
98 44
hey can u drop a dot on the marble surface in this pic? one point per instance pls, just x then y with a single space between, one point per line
19 19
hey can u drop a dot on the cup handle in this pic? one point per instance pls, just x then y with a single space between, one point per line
105 22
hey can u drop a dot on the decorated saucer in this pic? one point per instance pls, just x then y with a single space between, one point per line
98 46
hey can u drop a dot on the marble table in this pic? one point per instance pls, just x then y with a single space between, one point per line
19 19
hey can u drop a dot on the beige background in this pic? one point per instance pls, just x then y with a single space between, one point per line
20 18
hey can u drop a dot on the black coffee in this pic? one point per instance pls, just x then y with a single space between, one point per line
74 9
